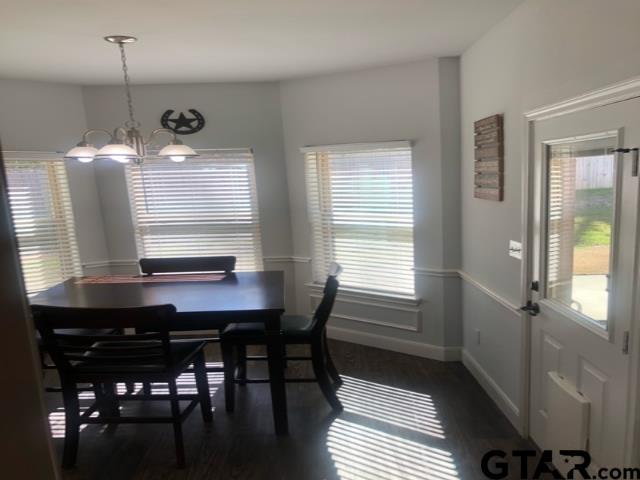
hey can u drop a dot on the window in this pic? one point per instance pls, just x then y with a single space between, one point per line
580 215
43 219
361 210
205 206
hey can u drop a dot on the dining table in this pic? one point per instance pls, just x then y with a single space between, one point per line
239 297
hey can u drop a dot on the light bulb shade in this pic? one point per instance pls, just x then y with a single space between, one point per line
84 153
177 150
117 151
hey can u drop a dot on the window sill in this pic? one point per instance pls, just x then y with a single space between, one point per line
353 293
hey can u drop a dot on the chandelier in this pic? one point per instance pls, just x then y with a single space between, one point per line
127 143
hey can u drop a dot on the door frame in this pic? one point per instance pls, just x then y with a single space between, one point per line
611 94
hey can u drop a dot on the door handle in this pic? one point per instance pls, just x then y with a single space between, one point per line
532 308
635 152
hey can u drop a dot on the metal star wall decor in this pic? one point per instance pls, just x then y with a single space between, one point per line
182 124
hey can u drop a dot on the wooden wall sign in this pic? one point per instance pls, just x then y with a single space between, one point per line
489 158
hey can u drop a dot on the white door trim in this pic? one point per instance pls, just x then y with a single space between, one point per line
615 93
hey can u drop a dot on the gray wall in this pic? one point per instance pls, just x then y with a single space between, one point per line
404 102
416 101
48 117
237 115
545 51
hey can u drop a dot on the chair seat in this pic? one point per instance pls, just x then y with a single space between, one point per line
293 326
182 354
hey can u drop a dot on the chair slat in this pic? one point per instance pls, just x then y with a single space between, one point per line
112 359
70 351
108 338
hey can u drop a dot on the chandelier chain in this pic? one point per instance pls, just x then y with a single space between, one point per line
127 83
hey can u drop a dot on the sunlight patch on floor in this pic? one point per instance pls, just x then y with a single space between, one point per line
187 382
186 385
57 422
402 408
363 453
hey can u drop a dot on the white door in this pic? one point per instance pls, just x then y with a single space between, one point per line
585 201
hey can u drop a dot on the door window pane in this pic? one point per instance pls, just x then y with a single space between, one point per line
580 216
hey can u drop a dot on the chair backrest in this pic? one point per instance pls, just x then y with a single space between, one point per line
323 311
225 264
99 353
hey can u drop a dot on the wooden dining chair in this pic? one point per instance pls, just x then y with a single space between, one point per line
155 266
296 329
105 360
47 365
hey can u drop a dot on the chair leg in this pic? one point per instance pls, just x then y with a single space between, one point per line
202 382
331 367
101 400
284 355
131 387
229 375
146 388
72 424
322 377
177 424
241 373
111 399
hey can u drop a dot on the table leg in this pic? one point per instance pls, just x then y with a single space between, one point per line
275 344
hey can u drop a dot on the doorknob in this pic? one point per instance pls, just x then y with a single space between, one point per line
532 308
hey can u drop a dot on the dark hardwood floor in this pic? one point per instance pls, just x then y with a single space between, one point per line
405 418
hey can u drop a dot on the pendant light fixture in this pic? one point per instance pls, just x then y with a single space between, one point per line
126 143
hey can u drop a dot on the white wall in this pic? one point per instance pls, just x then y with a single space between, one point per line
404 102
49 117
545 51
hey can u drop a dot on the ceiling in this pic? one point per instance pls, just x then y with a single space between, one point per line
232 40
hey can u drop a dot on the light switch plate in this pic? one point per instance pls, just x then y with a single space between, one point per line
515 249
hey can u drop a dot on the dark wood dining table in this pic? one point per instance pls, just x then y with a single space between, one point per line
247 297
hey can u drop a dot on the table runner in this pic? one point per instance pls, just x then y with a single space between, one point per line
102 279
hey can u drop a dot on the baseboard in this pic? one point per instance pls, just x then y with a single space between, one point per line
419 349
501 399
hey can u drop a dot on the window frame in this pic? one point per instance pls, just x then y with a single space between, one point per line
319 254
543 243
259 257
63 204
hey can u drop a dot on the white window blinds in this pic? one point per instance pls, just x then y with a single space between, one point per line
43 219
361 210
204 206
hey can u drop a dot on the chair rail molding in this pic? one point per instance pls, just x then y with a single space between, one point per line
286 259
513 308
437 272
110 263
